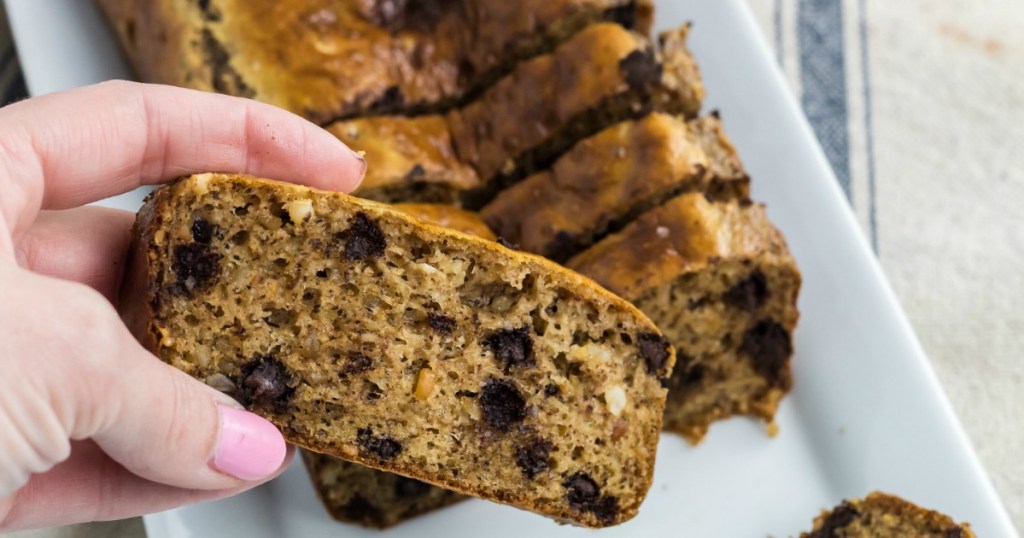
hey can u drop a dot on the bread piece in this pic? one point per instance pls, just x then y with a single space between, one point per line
408 159
601 184
367 335
354 493
449 217
331 59
885 516
729 178
603 75
719 281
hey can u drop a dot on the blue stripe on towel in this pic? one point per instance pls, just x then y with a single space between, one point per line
823 80
869 122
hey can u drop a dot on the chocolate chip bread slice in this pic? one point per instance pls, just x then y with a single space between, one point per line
612 177
354 493
332 59
719 281
408 159
885 516
603 75
368 335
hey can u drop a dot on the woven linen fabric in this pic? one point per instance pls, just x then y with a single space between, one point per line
919 106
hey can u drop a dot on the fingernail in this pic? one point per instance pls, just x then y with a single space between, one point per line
249 447
361 155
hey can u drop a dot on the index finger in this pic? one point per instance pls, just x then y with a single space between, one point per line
79 146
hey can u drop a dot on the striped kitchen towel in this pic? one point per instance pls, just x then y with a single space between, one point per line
919 106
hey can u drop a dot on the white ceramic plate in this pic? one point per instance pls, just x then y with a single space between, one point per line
866 413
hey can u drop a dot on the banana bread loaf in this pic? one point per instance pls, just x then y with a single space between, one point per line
368 335
603 75
885 516
719 281
330 59
408 159
605 181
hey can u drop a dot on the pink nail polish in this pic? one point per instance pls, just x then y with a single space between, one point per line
249 447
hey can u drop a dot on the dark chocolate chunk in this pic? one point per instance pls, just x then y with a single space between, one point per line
843 515
654 349
202 231
624 15
552 390
195 267
562 246
365 239
360 509
322 273
585 495
442 324
512 347
265 380
750 294
382 447
640 68
390 101
224 77
416 173
356 363
502 404
769 345
409 488
532 458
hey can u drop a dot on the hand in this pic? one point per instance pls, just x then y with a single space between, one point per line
92 426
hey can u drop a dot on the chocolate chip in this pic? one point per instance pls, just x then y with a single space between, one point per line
416 173
552 390
843 515
442 324
749 294
195 267
624 14
356 363
769 345
512 347
360 509
562 246
202 231
532 458
502 405
654 349
584 495
466 394
322 273
640 68
265 380
381 446
408 488
365 239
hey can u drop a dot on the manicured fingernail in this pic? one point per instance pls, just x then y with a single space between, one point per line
249 447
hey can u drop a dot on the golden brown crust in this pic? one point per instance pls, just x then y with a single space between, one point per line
408 159
199 352
327 59
881 515
449 217
603 75
602 183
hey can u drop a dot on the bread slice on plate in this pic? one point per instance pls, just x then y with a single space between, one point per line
885 516
366 334
721 284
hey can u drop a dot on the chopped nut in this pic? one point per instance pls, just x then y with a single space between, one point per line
501 303
220 382
326 46
592 350
299 210
425 384
429 269
201 184
615 398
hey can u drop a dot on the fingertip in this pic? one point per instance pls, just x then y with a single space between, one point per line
249 447
344 168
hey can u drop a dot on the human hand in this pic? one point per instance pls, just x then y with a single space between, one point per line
92 426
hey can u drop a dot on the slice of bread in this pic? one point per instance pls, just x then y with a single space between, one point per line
368 335
719 281
885 516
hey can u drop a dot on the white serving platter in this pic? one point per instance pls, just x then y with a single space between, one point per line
867 412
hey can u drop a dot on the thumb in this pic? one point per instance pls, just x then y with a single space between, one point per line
87 374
